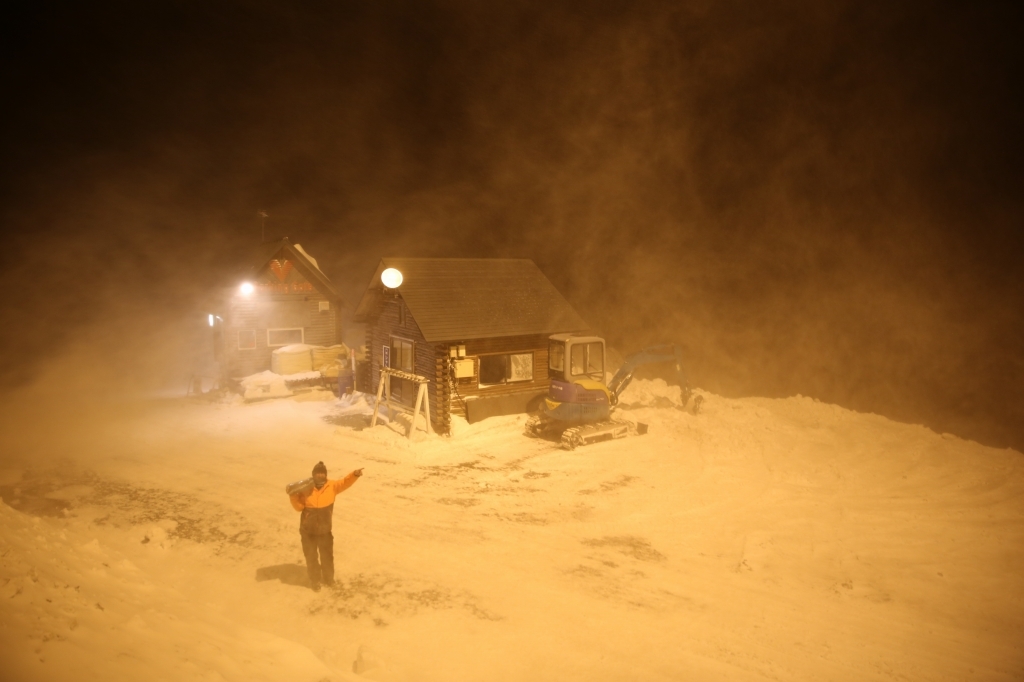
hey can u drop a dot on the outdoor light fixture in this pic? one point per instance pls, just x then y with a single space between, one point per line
391 278
211 320
247 288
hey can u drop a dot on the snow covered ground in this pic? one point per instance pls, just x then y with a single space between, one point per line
759 540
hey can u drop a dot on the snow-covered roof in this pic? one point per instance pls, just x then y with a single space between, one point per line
475 298
298 247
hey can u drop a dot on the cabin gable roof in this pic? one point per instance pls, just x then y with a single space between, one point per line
284 249
453 299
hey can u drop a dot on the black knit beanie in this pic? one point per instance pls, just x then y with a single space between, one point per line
320 466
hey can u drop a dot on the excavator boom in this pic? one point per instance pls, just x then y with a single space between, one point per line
648 356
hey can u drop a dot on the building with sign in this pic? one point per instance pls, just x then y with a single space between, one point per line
477 328
282 300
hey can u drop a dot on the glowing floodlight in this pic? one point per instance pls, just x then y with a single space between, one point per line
392 278
211 320
247 288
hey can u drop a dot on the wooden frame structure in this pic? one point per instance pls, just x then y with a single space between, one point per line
422 399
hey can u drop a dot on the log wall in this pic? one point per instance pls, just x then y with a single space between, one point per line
319 328
387 324
448 395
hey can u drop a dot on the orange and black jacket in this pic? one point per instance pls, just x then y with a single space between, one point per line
317 506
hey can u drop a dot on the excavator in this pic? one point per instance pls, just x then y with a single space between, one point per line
579 404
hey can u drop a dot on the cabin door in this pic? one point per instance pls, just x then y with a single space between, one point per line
402 357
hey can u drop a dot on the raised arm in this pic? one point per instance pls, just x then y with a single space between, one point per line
297 502
346 483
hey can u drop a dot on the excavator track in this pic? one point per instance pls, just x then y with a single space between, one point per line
582 434
608 429
535 427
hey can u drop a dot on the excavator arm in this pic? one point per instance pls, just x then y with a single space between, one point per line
647 356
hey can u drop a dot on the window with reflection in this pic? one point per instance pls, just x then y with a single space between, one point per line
506 368
556 355
587 359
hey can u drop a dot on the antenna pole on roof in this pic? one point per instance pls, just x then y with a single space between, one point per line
263 225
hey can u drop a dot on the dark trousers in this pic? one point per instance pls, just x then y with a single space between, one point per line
320 570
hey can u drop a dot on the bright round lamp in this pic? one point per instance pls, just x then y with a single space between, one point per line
246 288
391 278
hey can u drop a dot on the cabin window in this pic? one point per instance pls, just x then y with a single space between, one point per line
285 337
520 367
586 359
506 368
402 354
401 314
246 339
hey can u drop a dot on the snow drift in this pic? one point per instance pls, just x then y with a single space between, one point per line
761 539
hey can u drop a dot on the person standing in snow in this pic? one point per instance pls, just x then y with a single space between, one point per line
317 507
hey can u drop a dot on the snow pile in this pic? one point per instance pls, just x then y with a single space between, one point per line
650 393
265 384
760 539
72 611
355 403
268 384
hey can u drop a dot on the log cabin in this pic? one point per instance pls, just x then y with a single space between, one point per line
282 299
477 328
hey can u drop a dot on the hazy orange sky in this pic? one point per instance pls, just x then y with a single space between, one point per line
816 199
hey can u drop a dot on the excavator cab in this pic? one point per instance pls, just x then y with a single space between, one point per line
576 369
571 358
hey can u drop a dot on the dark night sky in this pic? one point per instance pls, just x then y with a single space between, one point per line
815 198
